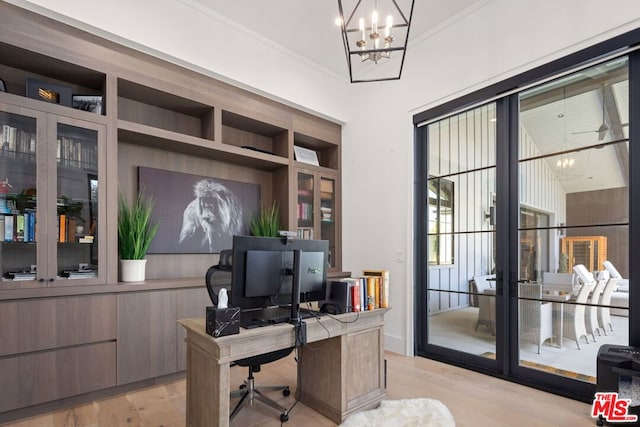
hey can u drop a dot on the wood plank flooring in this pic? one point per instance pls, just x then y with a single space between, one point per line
474 400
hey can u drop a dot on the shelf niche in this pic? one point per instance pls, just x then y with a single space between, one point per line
151 107
328 153
17 64
246 132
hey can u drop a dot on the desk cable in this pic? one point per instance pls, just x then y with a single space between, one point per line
300 329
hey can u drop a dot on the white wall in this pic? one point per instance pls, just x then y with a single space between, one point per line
494 40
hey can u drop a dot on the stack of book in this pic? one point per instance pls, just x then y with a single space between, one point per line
21 275
369 291
326 214
79 274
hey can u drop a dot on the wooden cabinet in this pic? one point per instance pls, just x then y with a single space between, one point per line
591 251
146 335
51 165
41 377
156 114
317 207
317 211
150 341
64 161
54 348
190 303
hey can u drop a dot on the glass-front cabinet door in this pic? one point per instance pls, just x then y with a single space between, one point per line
49 198
327 215
317 210
77 203
306 205
20 208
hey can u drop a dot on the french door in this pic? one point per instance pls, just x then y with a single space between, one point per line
516 194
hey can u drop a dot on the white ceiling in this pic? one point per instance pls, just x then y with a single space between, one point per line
307 27
569 122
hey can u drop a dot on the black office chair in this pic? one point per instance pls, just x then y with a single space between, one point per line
217 277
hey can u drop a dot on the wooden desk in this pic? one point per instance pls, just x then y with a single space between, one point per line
342 374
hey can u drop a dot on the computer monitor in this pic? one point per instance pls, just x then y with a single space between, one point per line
264 270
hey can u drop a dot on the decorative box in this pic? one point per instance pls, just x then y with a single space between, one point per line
223 321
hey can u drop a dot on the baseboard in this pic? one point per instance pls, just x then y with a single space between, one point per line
395 344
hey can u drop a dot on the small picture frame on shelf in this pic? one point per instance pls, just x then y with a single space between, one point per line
92 103
305 155
48 92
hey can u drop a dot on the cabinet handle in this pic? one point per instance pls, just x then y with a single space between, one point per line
51 280
40 280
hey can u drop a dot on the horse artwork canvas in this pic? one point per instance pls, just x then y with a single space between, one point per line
197 214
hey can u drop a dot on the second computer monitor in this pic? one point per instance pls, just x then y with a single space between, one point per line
263 271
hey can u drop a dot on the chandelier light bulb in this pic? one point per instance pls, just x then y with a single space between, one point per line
374 24
565 163
387 30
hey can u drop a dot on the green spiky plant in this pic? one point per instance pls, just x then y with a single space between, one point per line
266 223
136 230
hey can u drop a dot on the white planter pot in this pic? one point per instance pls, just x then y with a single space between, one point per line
132 270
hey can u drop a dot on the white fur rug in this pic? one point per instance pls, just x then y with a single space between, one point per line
404 413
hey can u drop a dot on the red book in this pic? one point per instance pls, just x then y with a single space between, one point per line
355 297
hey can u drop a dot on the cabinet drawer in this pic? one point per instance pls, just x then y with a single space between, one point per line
36 378
43 324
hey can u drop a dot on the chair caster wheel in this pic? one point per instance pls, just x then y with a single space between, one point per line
284 418
286 392
243 386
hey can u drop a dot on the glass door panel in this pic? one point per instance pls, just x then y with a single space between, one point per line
327 215
461 195
574 215
19 204
77 202
306 205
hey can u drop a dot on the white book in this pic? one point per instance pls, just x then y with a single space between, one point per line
8 228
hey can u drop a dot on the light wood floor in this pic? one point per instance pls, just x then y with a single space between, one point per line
474 400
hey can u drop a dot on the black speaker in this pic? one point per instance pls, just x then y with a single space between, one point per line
338 298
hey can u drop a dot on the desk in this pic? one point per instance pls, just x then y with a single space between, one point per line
343 374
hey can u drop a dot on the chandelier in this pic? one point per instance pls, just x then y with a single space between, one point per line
375 34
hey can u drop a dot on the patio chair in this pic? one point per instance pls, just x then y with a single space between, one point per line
604 311
574 312
623 284
593 326
536 316
486 303
487 312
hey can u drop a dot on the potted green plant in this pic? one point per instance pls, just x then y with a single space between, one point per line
266 223
136 230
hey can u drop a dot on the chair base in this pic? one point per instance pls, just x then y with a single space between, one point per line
248 392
